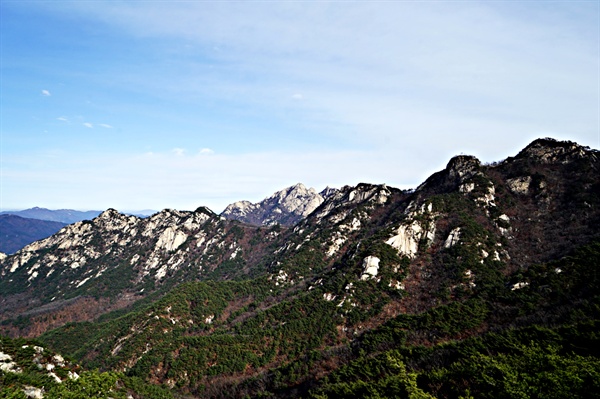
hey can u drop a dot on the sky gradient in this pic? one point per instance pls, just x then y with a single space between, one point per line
149 105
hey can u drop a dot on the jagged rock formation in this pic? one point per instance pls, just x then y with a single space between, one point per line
285 207
117 257
515 213
550 151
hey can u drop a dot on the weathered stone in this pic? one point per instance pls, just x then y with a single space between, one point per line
453 238
519 185
370 267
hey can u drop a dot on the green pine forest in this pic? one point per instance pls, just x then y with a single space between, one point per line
548 346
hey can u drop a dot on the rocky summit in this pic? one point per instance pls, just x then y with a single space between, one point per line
481 282
285 207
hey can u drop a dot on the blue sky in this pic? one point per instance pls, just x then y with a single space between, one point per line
151 104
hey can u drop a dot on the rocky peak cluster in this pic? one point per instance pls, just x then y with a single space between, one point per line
549 151
285 207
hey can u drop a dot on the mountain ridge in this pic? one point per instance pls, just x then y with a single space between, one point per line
408 283
158 248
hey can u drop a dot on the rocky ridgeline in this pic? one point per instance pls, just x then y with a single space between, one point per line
503 216
111 256
549 151
326 234
110 234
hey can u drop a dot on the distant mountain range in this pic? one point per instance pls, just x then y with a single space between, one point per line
66 216
17 232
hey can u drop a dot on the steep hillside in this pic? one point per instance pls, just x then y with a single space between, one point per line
17 232
534 333
29 370
482 281
110 262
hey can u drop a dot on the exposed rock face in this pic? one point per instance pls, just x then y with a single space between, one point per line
550 151
285 207
370 267
407 238
370 195
171 239
453 238
328 192
463 166
417 229
519 185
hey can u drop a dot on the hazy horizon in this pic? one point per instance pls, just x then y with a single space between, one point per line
153 105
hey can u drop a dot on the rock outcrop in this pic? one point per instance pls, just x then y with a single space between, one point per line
285 207
549 151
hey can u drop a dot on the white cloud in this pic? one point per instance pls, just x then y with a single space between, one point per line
63 119
178 151
104 125
46 93
297 96
88 125
206 151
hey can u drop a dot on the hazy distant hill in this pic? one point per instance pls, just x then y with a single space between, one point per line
16 231
67 216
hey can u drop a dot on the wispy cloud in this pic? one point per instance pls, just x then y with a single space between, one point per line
88 125
378 59
63 119
206 151
105 125
46 93
178 151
